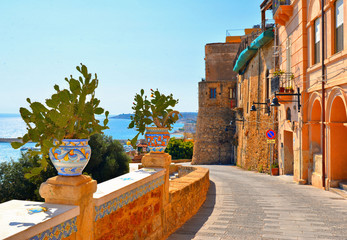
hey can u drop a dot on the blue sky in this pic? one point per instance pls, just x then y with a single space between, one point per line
129 44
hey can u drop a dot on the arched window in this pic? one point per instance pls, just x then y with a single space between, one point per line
288 114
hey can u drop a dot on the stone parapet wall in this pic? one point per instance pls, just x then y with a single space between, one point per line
36 220
137 205
129 207
187 194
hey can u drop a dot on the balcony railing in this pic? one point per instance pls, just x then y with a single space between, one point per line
277 3
282 83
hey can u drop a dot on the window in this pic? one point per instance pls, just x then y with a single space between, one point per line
338 26
289 114
239 88
232 93
288 81
213 93
267 89
316 41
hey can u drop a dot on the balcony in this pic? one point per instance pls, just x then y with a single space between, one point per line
282 10
283 82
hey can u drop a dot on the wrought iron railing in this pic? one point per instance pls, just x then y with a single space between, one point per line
246 42
282 82
277 3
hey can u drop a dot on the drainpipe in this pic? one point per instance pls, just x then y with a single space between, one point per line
323 99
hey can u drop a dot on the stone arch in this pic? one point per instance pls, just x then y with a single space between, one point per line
336 113
313 9
314 99
336 139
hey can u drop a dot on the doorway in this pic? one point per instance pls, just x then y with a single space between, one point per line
288 153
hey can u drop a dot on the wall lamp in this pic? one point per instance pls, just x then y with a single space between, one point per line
275 102
232 122
267 106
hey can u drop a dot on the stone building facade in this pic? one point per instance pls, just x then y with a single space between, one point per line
319 130
217 95
254 86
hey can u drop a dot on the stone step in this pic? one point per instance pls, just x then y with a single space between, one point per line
343 185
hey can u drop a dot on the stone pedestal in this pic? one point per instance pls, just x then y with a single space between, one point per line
77 190
159 160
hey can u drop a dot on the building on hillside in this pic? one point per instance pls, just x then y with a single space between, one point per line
217 95
315 136
254 116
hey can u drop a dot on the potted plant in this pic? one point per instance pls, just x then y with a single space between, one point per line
291 89
282 89
278 72
156 117
274 169
62 125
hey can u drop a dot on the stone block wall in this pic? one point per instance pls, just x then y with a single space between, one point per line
212 142
140 219
253 151
187 194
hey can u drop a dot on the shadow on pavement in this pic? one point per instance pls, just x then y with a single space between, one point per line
193 225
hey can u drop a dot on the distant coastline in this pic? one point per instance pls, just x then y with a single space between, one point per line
10 140
186 117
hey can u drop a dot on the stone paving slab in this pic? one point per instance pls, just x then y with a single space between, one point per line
247 205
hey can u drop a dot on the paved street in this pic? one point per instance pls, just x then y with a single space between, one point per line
248 205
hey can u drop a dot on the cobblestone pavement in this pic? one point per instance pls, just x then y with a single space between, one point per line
248 205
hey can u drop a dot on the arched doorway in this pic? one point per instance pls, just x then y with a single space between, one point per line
315 164
337 141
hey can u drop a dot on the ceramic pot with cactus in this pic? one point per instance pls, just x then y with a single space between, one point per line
154 116
62 126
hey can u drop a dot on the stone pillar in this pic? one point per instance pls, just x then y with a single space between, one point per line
76 190
159 160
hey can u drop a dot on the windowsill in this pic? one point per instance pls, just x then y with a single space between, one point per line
330 60
336 57
314 67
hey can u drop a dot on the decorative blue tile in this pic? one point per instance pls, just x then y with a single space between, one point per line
58 232
126 198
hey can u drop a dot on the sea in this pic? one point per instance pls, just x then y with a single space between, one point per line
12 126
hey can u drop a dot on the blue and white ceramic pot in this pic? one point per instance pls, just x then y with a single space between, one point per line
71 157
157 139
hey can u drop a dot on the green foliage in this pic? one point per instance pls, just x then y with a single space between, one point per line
108 159
260 168
13 184
155 111
180 149
274 165
68 114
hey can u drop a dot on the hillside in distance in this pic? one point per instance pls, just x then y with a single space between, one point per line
186 116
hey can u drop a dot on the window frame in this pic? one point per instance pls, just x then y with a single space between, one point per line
338 30
213 93
316 44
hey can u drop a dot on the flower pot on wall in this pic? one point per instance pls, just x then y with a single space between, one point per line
71 157
157 139
281 89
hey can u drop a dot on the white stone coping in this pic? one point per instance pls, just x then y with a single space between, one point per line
17 223
115 187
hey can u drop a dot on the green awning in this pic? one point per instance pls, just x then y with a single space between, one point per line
247 54
244 57
263 39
